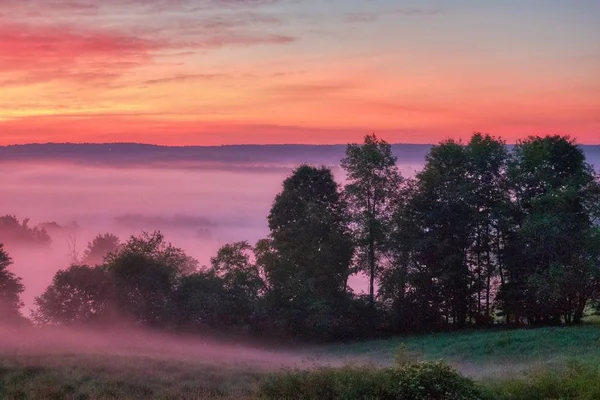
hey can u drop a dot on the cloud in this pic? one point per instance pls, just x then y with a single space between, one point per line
366 17
185 78
310 91
34 51
32 54
418 11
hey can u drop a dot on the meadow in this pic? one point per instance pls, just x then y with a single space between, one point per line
545 363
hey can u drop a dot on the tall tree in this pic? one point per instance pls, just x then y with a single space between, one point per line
490 202
242 283
373 182
10 291
551 269
313 249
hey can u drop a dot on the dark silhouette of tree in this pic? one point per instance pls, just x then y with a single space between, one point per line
10 291
198 303
481 235
552 268
154 246
78 295
373 182
226 297
145 272
311 251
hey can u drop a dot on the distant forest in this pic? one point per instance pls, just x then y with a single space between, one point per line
484 235
135 154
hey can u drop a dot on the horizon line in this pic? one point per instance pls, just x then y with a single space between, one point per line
230 145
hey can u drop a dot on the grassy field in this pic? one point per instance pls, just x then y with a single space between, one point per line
517 364
482 353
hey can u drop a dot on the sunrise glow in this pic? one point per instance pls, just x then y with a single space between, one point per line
182 72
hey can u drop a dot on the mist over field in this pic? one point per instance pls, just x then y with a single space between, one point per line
199 197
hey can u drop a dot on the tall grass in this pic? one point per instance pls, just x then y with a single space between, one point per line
90 376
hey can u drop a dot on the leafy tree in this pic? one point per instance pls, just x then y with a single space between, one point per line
78 295
10 291
100 247
444 241
373 182
227 296
155 247
198 302
145 272
490 202
309 252
242 282
551 258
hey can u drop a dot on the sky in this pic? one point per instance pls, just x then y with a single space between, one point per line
210 72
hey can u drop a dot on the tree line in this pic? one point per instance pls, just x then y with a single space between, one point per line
485 234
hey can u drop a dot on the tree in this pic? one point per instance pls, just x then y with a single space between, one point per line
242 282
10 291
311 248
490 202
551 258
154 246
100 247
225 297
198 302
373 182
78 295
444 235
145 272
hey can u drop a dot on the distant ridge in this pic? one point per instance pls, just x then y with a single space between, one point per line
130 154
135 153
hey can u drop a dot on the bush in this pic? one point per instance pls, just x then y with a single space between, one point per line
417 381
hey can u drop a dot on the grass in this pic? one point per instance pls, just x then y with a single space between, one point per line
528 364
95 376
520 346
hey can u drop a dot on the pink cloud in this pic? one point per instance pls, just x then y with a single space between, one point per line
42 53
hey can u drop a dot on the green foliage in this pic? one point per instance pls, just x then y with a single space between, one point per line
371 191
420 381
552 256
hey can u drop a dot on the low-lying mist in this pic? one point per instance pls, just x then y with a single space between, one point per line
197 209
136 343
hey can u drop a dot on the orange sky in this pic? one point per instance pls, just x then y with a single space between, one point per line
296 71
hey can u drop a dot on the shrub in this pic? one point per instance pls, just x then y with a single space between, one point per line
417 381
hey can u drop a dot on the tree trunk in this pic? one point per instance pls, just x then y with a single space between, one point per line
372 273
